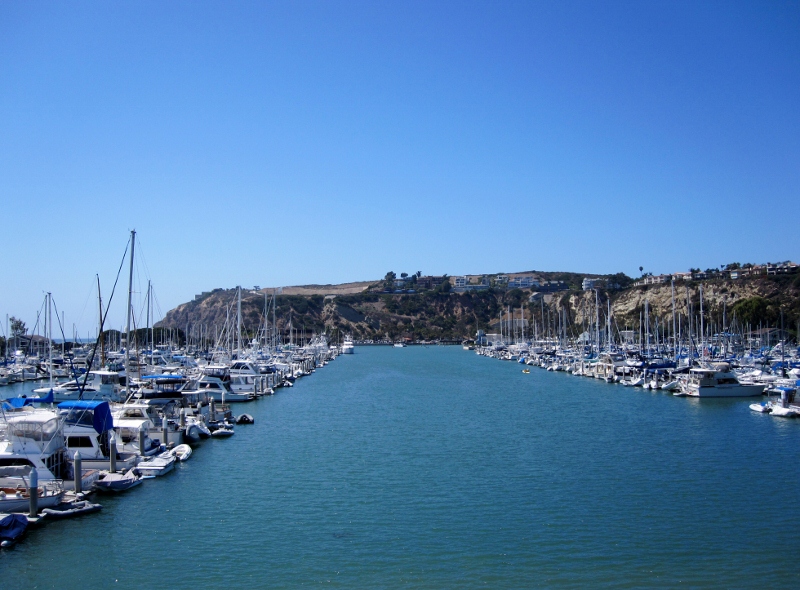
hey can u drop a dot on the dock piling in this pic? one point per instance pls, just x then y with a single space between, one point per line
77 468
33 493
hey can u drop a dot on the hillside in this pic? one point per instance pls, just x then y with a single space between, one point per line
368 312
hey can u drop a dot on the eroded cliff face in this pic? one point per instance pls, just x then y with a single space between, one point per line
451 315
719 296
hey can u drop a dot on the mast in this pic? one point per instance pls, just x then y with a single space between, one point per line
702 326
647 326
674 342
239 322
128 314
597 320
50 334
100 325
147 322
689 325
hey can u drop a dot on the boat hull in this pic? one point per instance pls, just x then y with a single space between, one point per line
734 391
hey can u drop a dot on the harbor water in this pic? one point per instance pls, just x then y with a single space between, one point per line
431 467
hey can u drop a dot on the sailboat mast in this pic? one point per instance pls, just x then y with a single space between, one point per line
50 334
100 325
239 323
674 332
128 314
147 322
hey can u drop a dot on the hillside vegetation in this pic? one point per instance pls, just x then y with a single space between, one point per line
440 313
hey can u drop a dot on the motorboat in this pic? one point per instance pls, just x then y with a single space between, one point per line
215 382
119 481
98 385
783 412
34 438
246 377
718 381
157 465
347 346
154 411
763 408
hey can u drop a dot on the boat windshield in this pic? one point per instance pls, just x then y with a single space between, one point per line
42 431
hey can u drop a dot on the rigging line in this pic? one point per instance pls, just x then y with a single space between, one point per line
35 327
142 259
64 339
103 321
72 368
156 304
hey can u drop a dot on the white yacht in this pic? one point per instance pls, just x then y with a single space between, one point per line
347 346
99 385
718 381
87 426
215 382
34 438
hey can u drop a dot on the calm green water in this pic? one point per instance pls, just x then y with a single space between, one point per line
435 468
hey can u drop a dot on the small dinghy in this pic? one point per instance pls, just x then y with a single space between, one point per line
157 465
71 509
182 452
117 482
192 433
526 371
223 432
245 419
204 430
761 408
781 412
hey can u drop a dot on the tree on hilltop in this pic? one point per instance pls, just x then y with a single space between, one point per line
18 327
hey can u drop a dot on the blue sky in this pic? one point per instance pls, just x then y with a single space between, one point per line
316 142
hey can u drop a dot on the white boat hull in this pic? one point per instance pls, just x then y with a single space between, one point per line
723 391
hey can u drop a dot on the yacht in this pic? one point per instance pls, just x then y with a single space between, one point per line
215 382
348 347
99 385
718 381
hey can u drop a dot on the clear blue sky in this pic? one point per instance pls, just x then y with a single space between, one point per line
314 142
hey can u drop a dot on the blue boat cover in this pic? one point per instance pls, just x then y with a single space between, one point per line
18 402
21 401
102 419
48 399
12 526
164 376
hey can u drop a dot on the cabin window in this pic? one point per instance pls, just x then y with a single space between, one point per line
16 461
79 442
81 418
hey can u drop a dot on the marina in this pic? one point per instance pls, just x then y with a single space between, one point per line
378 295
427 465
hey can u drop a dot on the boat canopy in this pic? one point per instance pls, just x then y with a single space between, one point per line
21 402
101 419
164 376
